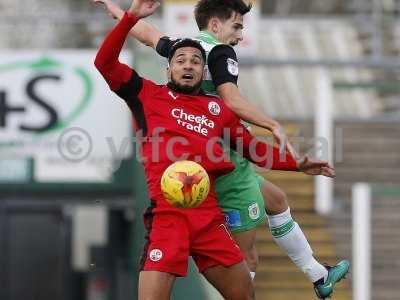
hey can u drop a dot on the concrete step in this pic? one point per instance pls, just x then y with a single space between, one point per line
361 127
370 157
380 264
368 139
342 170
288 179
367 174
378 294
289 279
390 186
388 280
384 195
386 264
378 239
388 159
387 146
379 227
295 188
306 293
288 282
379 213
301 203
306 219
379 253
290 130
364 136
285 176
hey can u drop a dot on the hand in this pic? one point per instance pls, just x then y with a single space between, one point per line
112 9
143 8
315 167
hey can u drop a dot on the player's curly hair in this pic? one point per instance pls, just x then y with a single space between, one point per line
180 43
222 9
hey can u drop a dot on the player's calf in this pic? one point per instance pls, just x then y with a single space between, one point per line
246 241
154 285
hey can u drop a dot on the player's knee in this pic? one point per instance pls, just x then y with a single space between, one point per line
281 199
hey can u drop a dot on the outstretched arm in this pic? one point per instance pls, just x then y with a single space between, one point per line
224 69
106 62
270 157
144 32
114 72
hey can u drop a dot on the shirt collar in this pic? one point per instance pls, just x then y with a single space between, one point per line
208 37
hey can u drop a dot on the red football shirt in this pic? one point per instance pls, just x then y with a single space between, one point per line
177 126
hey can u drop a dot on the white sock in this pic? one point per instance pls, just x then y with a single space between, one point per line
288 235
252 275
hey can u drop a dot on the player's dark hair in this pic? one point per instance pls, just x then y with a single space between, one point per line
221 9
186 43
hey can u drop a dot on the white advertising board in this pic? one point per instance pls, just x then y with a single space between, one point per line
57 109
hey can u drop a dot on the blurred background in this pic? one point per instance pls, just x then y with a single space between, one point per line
72 191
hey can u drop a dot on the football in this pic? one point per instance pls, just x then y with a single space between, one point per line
185 184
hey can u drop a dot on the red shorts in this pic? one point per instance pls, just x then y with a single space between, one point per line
174 236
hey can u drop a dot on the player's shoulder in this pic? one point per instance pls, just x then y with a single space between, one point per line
150 83
222 49
150 87
221 59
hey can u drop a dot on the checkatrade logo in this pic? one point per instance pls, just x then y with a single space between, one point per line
42 95
197 123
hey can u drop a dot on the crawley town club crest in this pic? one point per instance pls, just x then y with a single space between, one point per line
214 108
155 255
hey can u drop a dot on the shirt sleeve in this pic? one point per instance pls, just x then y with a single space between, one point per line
256 150
123 80
223 65
164 45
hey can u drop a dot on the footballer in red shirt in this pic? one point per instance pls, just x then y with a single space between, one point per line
177 121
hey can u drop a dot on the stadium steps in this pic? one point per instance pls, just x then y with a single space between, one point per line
371 154
295 294
385 243
290 91
277 277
